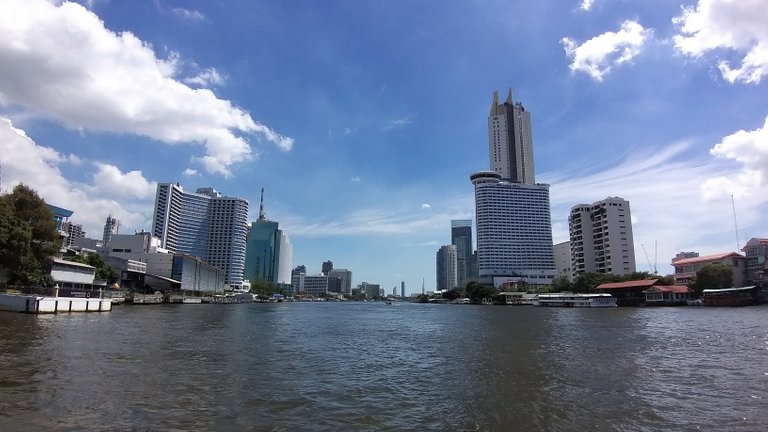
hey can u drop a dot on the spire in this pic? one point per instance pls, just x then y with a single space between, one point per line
495 104
262 217
509 97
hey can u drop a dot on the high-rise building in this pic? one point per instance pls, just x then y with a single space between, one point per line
514 225
111 227
601 237
445 263
327 267
285 262
262 252
402 289
514 230
461 237
510 145
205 225
563 260
74 231
345 279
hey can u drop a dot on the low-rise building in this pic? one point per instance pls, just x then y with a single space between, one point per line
756 271
686 268
630 293
664 295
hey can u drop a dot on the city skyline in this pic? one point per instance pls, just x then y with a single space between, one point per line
364 126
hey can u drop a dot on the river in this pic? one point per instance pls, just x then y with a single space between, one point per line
377 367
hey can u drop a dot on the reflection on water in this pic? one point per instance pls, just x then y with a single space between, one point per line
371 366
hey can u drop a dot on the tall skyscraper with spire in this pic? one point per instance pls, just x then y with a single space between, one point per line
514 225
510 145
263 250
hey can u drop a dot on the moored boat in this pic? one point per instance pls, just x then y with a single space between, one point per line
741 296
566 299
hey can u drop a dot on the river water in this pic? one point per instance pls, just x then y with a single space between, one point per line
378 367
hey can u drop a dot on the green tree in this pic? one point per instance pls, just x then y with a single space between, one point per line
667 280
28 237
588 282
561 284
712 276
103 270
263 288
477 292
453 294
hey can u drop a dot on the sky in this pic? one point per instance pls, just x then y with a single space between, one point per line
363 120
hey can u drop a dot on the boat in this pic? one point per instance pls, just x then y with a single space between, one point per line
742 296
155 298
567 299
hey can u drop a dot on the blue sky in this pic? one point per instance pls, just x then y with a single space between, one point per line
363 120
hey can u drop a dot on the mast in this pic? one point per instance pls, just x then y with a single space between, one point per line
262 217
735 225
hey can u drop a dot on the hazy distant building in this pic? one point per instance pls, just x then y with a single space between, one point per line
111 227
601 237
402 289
461 237
445 263
327 267
73 231
563 260
285 261
205 225
345 279
510 145
370 290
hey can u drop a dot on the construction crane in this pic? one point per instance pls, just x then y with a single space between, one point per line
652 267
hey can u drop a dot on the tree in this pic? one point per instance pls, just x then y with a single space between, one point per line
453 294
263 288
561 284
477 292
28 237
588 282
712 276
103 271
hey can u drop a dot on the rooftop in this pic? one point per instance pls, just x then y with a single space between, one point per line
706 258
629 284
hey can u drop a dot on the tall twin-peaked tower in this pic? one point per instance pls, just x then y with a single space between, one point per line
514 226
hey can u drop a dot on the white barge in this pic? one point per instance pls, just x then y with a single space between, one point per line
575 300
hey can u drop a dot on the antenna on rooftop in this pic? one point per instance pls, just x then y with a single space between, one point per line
262 217
735 225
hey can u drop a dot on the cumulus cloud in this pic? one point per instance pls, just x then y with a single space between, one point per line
189 172
60 62
110 181
727 26
24 161
426 206
587 4
750 150
598 55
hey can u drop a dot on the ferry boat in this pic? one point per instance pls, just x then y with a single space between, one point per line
575 300
742 296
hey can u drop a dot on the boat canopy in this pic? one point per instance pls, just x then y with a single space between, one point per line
726 290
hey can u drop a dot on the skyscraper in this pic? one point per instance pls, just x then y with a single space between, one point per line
262 252
601 237
327 267
514 226
446 276
205 225
510 145
111 226
461 237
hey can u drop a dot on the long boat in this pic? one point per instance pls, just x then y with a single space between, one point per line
566 299
742 296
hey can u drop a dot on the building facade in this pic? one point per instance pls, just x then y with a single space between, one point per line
563 260
461 237
686 268
514 230
446 264
205 225
510 144
344 278
111 227
756 272
601 237
262 252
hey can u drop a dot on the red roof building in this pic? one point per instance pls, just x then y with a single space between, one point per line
630 293
666 295
686 268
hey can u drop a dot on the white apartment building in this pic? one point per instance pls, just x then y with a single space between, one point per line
601 237
563 260
205 225
514 230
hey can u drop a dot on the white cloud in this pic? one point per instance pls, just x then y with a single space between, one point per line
191 15
206 78
60 62
750 150
355 179
189 172
727 25
598 55
110 181
37 166
587 4
426 206
398 123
